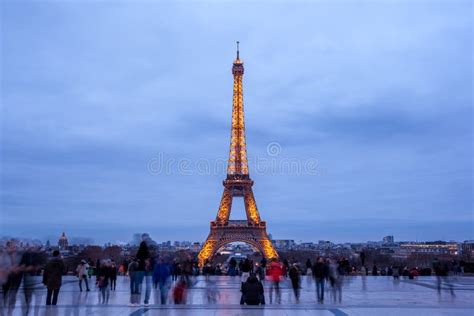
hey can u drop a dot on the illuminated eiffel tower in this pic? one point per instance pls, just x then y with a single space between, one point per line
237 184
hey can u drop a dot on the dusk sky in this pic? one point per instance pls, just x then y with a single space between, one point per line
112 111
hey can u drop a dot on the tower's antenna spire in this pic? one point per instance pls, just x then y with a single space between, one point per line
238 50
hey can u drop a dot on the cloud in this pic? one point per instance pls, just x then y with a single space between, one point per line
380 94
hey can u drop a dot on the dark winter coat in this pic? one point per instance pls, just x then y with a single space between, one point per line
53 273
252 291
320 270
142 254
294 273
104 275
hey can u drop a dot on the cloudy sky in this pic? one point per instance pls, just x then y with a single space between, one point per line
115 117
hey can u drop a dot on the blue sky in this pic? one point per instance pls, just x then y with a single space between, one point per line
376 95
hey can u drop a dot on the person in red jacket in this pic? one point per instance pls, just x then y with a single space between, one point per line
275 272
179 292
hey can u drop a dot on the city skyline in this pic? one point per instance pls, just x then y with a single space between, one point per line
136 238
91 115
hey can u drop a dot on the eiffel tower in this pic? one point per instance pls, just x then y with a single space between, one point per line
237 184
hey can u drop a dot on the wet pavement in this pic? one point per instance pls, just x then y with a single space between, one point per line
220 295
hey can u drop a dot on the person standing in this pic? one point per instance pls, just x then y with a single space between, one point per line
103 279
82 273
143 255
52 277
96 270
232 266
113 276
320 274
295 277
263 264
309 265
286 267
149 266
362 258
375 270
134 286
245 268
176 269
259 273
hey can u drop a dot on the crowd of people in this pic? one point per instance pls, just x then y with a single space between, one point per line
170 278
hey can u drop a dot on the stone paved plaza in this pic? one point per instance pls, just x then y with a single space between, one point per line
220 296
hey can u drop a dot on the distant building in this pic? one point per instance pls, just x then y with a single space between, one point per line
467 247
196 246
63 242
139 237
284 244
437 247
325 244
388 239
306 245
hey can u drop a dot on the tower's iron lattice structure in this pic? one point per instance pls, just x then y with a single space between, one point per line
237 184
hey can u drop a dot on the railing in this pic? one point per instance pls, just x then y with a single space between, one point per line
238 224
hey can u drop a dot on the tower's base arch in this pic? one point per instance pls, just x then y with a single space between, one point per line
237 231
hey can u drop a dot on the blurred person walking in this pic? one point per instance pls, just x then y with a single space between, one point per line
286 267
176 270
260 273
362 258
52 278
96 270
336 272
442 276
375 271
11 275
309 265
143 254
31 262
162 277
232 266
113 275
82 274
134 285
396 273
207 270
295 277
320 274
179 291
275 272
263 265
104 275
149 266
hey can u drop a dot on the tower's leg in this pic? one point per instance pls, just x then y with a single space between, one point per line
251 206
225 206
207 250
268 249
